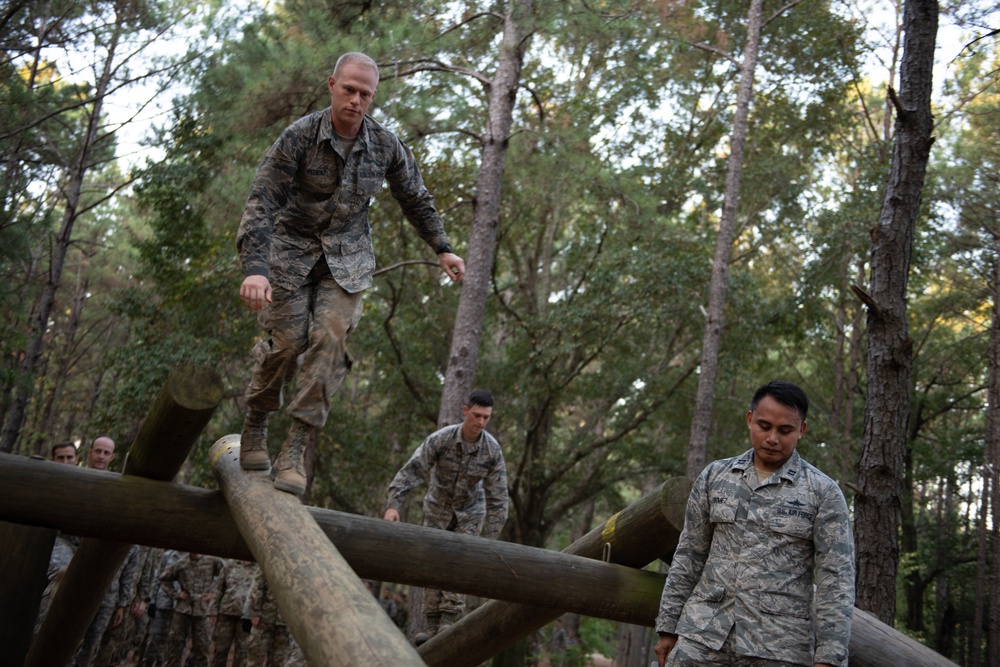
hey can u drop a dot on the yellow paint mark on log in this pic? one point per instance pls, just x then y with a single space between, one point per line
608 534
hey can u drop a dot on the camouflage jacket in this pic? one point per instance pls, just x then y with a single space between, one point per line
260 603
163 599
750 556
467 481
306 202
234 586
198 579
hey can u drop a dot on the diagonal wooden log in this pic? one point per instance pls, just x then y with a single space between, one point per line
875 644
333 616
644 531
177 417
24 560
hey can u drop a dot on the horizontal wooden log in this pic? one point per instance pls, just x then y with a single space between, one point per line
328 609
180 411
188 518
644 531
174 516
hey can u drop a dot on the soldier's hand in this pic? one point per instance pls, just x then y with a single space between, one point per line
663 648
391 515
255 292
453 265
118 617
138 609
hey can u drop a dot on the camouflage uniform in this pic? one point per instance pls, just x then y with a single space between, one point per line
234 587
747 562
62 553
466 488
193 604
305 227
118 596
270 642
161 611
121 641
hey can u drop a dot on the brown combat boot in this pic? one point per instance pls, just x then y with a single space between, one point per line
432 629
289 470
253 442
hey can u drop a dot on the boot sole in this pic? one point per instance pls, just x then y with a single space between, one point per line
256 465
289 487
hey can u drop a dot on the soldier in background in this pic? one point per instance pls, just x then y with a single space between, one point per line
64 452
111 612
270 642
194 600
764 569
306 250
101 454
234 588
124 641
466 479
160 611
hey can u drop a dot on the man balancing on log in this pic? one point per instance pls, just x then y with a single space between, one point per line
306 249
466 479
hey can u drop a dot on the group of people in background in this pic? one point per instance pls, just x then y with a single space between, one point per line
173 609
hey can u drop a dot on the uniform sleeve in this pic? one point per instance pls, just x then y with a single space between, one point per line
255 600
689 558
834 549
495 486
414 472
129 577
417 204
268 195
168 577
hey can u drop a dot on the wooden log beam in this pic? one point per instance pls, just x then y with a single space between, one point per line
24 561
875 644
329 610
177 417
642 532
147 512
174 516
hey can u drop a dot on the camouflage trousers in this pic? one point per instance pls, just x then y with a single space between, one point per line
446 602
689 653
269 645
159 627
313 322
121 640
87 652
200 628
229 632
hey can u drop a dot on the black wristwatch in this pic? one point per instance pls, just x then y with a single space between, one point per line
444 247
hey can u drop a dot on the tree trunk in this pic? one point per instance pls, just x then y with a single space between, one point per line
77 173
702 419
988 577
464 355
880 468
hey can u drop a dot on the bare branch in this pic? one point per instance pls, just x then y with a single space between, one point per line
715 50
469 20
410 67
780 11
408 262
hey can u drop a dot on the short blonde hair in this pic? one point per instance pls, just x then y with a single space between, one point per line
357 58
